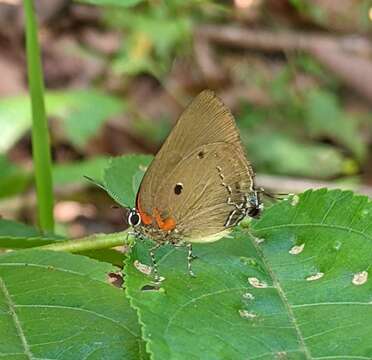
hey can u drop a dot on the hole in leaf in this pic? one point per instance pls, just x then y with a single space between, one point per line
150 288
115 279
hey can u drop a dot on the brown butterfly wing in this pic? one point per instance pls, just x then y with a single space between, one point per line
202 153
211 185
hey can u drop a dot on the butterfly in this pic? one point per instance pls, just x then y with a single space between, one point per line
200 183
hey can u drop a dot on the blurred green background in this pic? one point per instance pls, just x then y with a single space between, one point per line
297 75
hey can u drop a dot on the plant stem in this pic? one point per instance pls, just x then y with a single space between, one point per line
92 242
40 135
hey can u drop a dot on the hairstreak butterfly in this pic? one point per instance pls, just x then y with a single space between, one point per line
199 185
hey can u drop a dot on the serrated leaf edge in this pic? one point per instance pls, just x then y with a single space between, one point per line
137 309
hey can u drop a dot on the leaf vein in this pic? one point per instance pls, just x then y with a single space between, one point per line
171 318
354 357
54 269
79 309
17 323
330 330
284 301
338 227
332 303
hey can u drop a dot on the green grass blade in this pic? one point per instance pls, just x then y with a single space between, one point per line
40 135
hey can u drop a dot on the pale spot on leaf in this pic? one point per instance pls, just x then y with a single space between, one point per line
247 314
297 249
259 241
360 278
144 269
314 277
257 283
337 245
248 296
281 355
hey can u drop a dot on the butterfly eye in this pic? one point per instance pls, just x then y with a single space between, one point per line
256 205
178 188
254 212
134 219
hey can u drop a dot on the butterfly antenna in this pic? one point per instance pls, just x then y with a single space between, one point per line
275 196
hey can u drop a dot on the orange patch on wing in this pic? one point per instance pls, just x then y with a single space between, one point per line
145 218
166 224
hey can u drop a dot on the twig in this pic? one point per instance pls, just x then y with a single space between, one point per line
345 56
92 242
283 40
354 71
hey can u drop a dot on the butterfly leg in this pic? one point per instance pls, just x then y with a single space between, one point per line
135 235
229 219
239 210
154 263
190 258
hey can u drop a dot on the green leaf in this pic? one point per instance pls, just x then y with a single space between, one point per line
15 120
287 156
135 56
120 3
324 117
333 314
74 172
296 288
153 132
13 179
81 113
13 228
58 305
210 314
15 235
123 177
154 35
106 255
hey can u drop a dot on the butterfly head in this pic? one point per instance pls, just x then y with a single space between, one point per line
255 204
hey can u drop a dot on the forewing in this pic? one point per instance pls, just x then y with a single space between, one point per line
205 121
